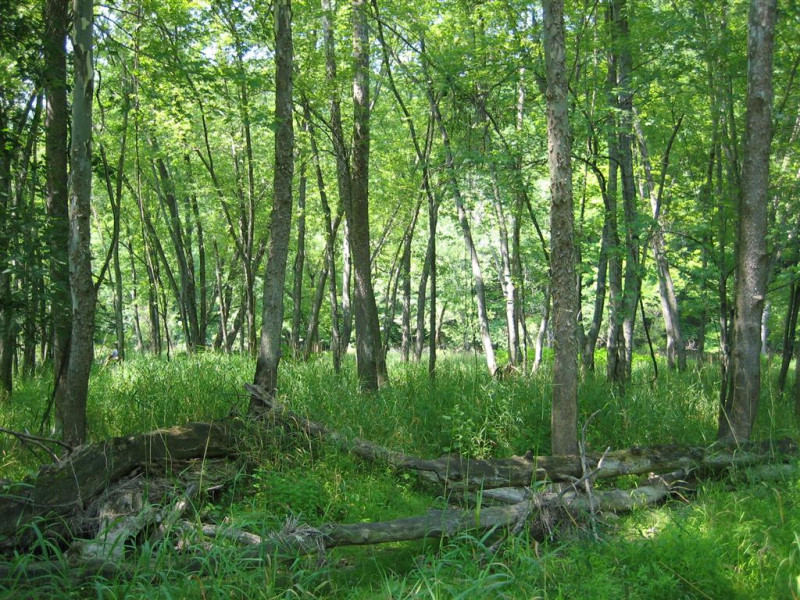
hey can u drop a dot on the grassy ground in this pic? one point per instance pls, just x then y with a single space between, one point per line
735 539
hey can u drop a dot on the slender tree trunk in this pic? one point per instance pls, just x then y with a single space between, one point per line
738 416
632 277
615 345
73 408
369 357
541 334
299 262
676 352
331 227
564 425
7 342
269 354
463 219
789 333
56 21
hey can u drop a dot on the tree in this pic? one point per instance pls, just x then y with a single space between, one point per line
57 157
72 411
738 414
370 361
269 353
564 429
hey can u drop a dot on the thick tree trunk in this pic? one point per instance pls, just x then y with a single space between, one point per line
624 104
564 425
739 414
369 358
269 354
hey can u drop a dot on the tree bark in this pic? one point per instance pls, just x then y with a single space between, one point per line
738 415
564 425
370 363
269 354
56 19
73 408
299 262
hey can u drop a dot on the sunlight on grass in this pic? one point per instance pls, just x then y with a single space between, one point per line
722 543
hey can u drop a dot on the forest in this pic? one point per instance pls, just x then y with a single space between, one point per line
367 298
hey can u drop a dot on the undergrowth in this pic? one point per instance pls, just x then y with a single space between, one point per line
738 538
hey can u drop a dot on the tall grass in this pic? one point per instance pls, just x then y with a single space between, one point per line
740 543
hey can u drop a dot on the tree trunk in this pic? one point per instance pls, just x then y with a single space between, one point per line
269 354
7 342
564 426
331 227
624 104
789 333
615 344
73 408
463 219
299 262
676 351
369 357
57 156
739 414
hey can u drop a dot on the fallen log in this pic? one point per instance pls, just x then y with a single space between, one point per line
61 490
540 512
456 472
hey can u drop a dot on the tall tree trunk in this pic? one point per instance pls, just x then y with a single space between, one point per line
738 416
564 424
632 277
299 261
343 177
73 408
7 343
269 354
615 344
370 362
57 156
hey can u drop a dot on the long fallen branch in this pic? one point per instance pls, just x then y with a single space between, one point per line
295 539
458 473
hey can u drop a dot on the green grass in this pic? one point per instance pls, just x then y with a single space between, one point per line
729 541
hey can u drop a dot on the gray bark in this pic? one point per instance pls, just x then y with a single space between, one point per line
269 354
564 424
739 414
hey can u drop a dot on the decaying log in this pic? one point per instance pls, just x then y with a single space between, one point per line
536 512
60 490
459 473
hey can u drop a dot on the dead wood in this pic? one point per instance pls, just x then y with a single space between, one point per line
59 491
456 472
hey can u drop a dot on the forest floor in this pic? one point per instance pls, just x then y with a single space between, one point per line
732 537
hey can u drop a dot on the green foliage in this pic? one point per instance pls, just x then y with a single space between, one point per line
738 542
